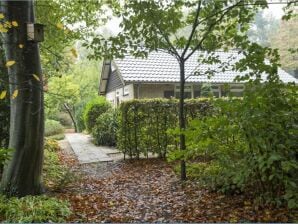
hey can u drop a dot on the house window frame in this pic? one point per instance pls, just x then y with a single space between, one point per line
188 88
125 91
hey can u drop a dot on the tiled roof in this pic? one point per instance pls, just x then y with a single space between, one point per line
163 67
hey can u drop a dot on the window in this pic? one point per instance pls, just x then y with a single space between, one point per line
168 94
187 91
126 91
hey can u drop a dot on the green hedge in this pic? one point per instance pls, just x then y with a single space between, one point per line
93 110
144 124
105 130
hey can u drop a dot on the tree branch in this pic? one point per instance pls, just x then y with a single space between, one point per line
225 12
194 27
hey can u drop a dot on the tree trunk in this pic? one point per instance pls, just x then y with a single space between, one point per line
22 174
182 122
4 103
71 116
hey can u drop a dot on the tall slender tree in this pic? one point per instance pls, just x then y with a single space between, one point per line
22 175
180 28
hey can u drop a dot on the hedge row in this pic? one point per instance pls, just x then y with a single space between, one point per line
144 124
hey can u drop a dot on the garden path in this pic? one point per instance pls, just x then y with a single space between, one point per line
87 152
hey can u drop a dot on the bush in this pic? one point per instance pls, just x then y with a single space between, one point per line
253 143
105 130
53 127
144 124
33 209
93 110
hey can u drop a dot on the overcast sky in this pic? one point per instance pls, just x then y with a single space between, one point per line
274 10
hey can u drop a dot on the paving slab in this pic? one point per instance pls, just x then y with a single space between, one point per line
86 151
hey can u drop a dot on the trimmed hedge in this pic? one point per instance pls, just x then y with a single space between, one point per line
144 124
93 110
105 130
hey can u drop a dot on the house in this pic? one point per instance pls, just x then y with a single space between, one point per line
157 76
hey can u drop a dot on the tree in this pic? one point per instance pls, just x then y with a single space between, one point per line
22 174
286 41
179 28
263 28
4 102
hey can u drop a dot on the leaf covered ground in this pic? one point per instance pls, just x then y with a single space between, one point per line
150 191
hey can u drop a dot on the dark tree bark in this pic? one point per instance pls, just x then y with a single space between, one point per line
4 103
22 175
182 122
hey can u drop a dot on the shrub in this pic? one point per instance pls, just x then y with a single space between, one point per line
105 130
252 140
144 124
33 209
93 110
206 90
53 127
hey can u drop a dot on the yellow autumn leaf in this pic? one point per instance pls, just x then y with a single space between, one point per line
14 23
15 94
21 45
36 77
74 52
3 29
60 26
3 94
1 15
10 63
7 24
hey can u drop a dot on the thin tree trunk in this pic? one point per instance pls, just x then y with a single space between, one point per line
71 116
22 175
182 122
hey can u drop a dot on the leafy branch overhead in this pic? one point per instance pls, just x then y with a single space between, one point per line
185 25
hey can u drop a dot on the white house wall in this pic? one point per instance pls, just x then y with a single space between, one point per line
121 94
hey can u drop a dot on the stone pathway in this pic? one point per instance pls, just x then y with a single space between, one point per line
87 152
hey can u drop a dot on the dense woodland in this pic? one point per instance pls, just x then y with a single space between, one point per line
214 159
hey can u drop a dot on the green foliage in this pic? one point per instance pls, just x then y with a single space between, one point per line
248 144
56 175
79 115
53 127
60 90
105 130
144 124
93 110
206 90
33 209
